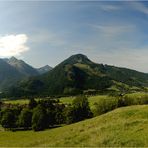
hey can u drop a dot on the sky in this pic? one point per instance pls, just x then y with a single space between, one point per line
47 32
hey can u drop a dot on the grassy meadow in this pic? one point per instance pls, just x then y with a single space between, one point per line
92 99
126 126
64 100
21 101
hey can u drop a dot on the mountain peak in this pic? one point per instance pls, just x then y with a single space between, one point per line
46 66
13 59
44 69
77 58
80 57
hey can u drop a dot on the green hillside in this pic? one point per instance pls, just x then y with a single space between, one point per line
122 127
78 74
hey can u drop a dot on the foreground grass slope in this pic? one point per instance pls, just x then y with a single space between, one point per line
122 127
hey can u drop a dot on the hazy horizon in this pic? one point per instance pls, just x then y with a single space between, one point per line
40 33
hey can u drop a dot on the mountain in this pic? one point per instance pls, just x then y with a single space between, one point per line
13 70
78 74
22 67
8 74
44 69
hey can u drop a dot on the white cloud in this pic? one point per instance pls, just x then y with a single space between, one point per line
52 38
133 58
13 45
140 7
113 30
106 7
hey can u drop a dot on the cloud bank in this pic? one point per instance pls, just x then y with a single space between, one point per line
13 45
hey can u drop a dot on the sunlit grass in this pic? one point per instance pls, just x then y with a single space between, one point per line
20 101
122 127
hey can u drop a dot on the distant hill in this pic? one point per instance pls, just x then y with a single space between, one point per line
13 70
78 74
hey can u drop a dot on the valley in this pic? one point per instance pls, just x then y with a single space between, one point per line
73 73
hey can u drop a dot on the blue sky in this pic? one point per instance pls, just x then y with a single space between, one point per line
114 33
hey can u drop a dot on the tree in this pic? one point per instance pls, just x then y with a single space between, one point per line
1 103
25 118
39 118
79 110
59 116
53 110
8 119
32 103
69 115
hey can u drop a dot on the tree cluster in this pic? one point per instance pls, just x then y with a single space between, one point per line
43 114
105 105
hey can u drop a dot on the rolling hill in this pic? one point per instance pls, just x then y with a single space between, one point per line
77 74
126 127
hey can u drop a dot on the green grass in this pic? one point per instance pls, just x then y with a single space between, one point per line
20 101
138 94
92 99
66 100
1 128
126 126
96 99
